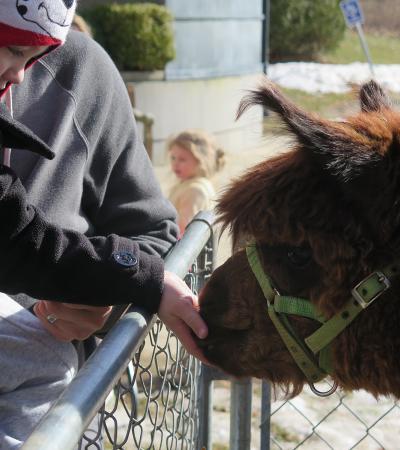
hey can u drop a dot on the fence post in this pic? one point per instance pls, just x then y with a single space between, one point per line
206 387
265 427
146 119
240 423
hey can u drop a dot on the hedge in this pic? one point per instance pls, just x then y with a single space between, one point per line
300 29
136 36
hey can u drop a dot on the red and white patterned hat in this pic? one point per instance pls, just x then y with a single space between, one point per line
35 22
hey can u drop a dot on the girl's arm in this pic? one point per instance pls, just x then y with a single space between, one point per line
192 201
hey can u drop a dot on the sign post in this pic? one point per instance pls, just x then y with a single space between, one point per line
354 17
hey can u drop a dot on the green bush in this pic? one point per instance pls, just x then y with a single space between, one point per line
136 36
300 29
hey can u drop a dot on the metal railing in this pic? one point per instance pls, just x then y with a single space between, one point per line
149 404
148 121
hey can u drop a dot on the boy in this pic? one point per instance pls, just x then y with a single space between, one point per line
47 261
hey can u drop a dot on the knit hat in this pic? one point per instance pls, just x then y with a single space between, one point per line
35 22
14 134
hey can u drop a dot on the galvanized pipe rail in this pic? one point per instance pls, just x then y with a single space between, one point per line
63 425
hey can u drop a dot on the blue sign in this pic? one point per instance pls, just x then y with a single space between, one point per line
352 12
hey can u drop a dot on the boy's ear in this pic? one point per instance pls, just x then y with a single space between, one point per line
14 134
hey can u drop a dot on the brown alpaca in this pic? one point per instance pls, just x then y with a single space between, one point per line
324 215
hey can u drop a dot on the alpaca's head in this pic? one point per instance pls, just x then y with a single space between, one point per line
323 215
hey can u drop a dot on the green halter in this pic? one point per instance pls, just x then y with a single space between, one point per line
304 351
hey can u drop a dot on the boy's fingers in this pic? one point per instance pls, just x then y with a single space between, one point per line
193 319
186 339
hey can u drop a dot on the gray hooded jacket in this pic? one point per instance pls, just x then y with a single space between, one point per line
101 180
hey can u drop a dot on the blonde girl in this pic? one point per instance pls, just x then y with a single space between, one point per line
195 158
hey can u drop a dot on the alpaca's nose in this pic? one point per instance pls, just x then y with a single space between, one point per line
211 351
209 347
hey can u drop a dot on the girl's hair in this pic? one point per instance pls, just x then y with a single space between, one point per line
203 147
80 24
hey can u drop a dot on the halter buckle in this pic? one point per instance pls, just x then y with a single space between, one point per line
370 288
327 393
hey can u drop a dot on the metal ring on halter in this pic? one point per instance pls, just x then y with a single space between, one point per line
51 318
323 394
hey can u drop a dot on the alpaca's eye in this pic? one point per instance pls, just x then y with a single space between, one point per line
299 256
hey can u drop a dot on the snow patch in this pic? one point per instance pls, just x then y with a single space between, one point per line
336 78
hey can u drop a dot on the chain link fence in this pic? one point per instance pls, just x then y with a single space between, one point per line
139 389
154 404
354 420
342 421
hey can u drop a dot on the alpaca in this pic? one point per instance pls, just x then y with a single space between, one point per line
323 222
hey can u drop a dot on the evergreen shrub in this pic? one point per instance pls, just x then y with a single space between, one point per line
136 36
301 29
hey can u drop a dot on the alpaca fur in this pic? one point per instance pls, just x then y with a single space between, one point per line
324 215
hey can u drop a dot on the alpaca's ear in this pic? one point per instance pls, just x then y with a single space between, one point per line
353 153
373 98
325 139
301 124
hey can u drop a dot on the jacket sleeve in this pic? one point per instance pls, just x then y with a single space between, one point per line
47 262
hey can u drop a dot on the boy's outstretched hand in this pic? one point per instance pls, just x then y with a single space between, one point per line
179 312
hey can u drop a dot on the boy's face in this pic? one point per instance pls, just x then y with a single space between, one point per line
13 60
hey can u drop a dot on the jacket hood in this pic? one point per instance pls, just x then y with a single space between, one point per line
14 134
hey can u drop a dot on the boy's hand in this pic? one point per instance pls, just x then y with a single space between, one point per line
179 312
72 322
